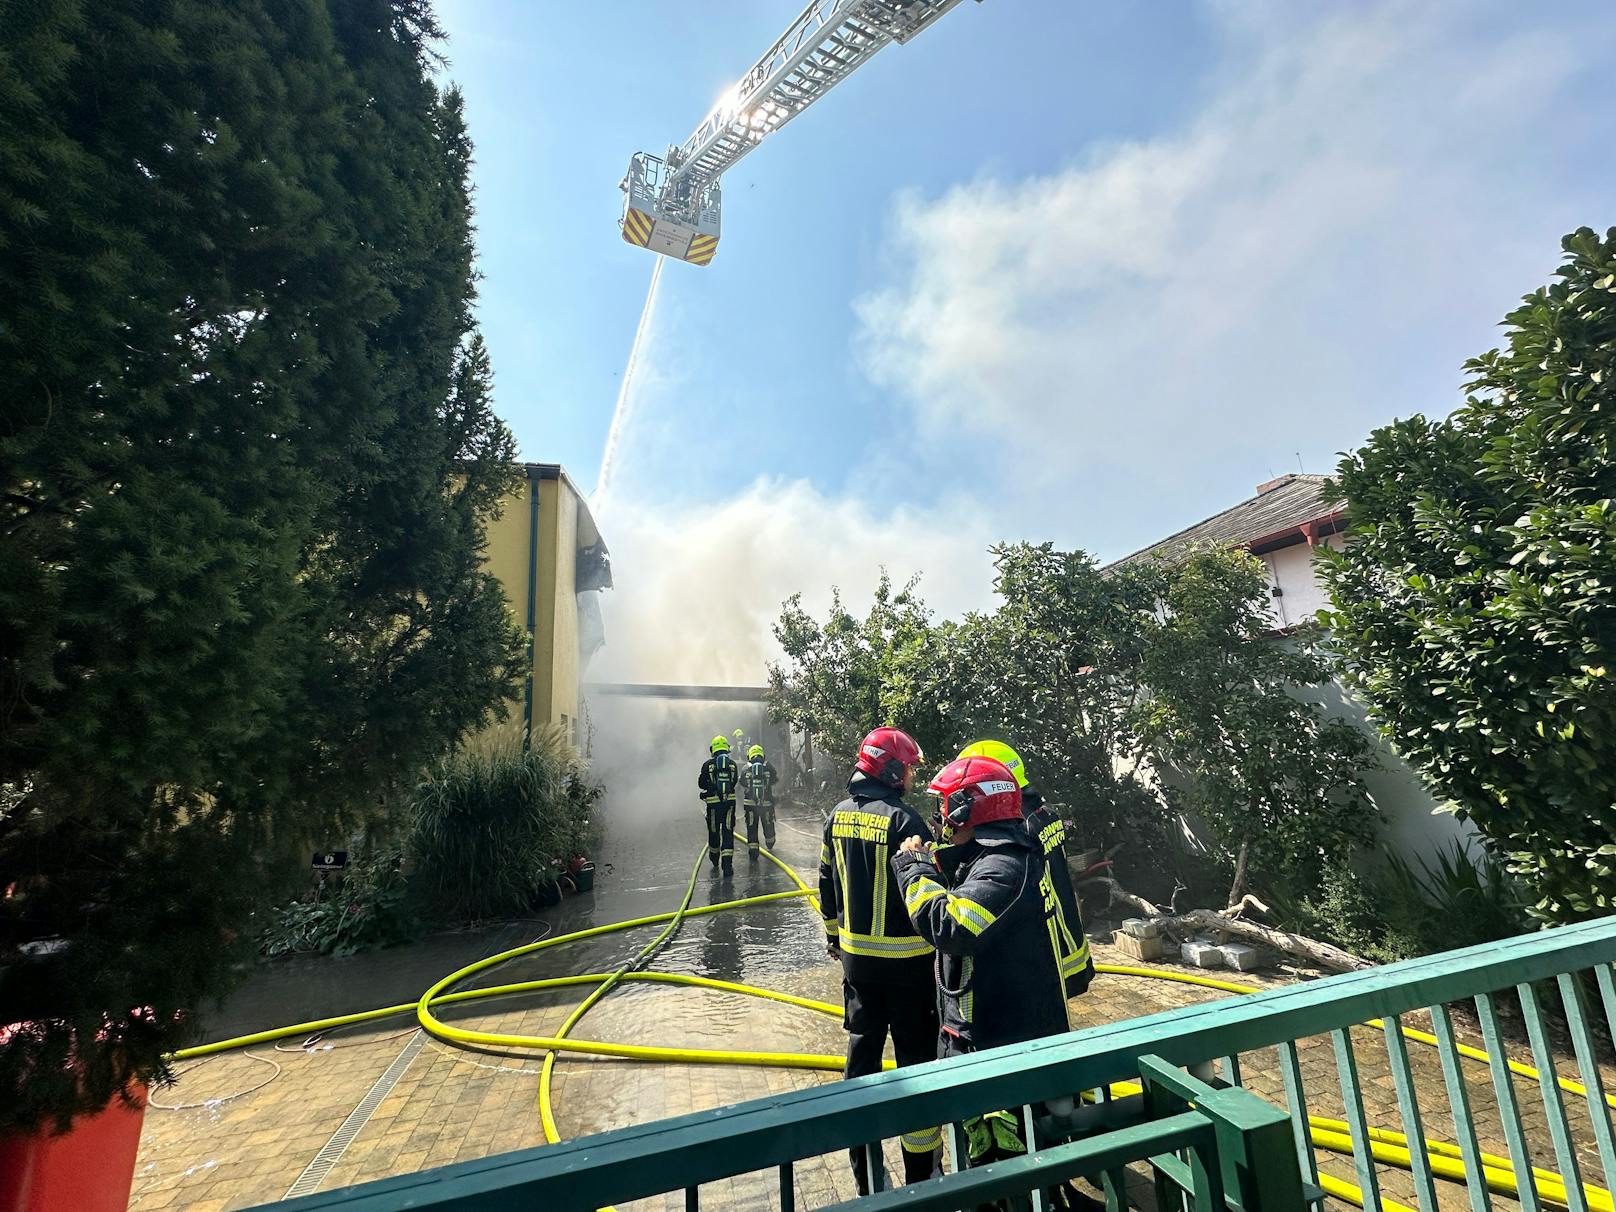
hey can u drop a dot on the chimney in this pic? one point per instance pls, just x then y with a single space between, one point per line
1277 482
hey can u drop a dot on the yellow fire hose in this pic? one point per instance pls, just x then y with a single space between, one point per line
1391 1148
552 1134
1387 1147
365 1016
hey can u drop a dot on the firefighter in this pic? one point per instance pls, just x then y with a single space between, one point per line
719 777
984 900
887 984
758 778
1077 966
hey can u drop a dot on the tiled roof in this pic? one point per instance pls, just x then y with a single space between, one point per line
1292 501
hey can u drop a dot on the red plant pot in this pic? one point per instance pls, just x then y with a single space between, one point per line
88 1168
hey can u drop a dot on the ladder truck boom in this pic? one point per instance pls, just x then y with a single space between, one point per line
671 203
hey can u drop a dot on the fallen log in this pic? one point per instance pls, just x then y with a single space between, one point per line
1325 955
1121 896
1230 924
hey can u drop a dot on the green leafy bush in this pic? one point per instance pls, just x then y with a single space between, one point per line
1349 910
1101 690
1403 910
1458 902
247 462
489 828
1475 605
1277 783
373 908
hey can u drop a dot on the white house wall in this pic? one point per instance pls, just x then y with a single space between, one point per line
1291 570
1415 827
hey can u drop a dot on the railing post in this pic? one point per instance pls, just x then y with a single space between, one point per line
1036 1197
875 1169
1254 1165
1256 1153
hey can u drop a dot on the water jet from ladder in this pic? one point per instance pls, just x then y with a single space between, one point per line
625 396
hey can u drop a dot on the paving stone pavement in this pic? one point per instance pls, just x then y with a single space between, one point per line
452 1105
245 1140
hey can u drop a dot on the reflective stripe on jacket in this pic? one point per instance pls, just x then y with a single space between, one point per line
719 774
863 908
989 909
1077 967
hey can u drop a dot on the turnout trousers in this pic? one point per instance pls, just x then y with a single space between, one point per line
1000 1135
907 1010
759 815
721 835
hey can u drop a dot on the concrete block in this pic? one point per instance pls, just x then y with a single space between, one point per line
1141 927
1201 955
1138 948
1242 958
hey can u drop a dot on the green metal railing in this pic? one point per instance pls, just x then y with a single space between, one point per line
1210 1144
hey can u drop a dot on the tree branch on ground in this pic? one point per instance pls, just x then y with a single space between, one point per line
1230 924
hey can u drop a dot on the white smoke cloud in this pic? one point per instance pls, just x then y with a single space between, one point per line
1154 327
1316 251
699 587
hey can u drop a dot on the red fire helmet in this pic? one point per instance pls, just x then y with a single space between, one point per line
975 791
886 753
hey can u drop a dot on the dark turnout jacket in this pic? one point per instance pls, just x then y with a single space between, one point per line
758 778
861 902
988 908
1077 968
718 780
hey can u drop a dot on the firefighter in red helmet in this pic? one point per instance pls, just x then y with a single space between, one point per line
984 900
1045 824
887 984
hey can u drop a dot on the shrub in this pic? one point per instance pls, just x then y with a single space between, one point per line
489 827
371 909
1458 902
247 461
1401 911
1475 607
1347 909
1275 781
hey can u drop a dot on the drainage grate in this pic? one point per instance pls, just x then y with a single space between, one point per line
315 1172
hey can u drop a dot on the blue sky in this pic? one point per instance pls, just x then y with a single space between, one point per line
1078 271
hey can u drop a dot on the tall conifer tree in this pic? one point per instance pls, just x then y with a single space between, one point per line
247 456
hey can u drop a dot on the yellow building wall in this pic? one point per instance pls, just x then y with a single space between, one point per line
554 671
506 555
563 665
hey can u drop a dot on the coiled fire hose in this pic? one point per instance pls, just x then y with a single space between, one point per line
1387 1147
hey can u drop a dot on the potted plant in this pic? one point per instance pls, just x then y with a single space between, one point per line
84 1161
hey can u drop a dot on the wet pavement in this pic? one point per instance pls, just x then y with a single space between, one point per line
252 1123
274 1118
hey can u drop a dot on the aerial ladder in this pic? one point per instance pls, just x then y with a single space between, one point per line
671 203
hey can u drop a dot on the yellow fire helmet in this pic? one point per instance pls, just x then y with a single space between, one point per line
720 744
999 752
755 752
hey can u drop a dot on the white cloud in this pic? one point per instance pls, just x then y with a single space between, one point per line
701 586
1360 194
1148 330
